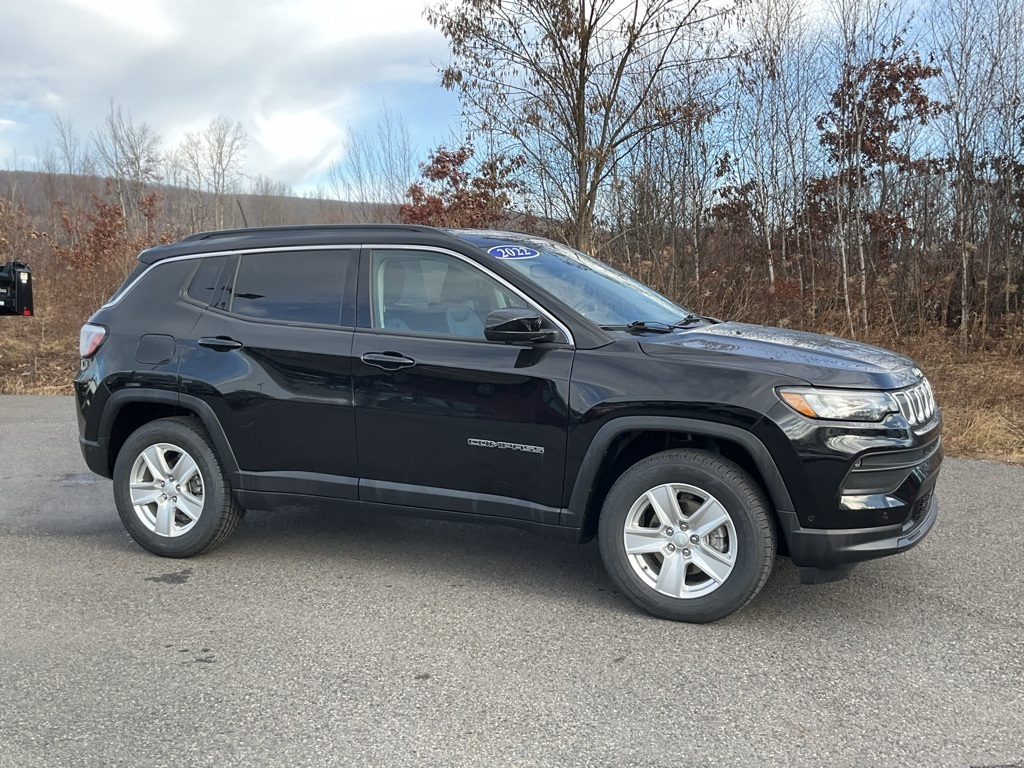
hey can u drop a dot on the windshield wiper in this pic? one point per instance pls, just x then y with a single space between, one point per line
641 326
692 318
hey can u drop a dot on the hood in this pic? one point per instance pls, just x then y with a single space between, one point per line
820 360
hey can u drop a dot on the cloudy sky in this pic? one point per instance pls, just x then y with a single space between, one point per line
298 74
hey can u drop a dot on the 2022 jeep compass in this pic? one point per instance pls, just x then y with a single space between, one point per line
477 375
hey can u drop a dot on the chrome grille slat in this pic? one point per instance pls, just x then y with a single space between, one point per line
916 403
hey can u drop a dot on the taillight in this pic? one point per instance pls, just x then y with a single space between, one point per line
90 338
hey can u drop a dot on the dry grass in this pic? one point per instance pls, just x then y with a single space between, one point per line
31 362
981 393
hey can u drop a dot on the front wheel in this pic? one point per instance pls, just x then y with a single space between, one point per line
171 491
686 535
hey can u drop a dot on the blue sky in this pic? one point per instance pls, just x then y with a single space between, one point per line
298 74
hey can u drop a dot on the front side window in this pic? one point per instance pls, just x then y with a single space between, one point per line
293 287
426 292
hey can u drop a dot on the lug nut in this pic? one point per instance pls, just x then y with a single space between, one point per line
669 531
695 539
174 499
671 547
683 526
686 553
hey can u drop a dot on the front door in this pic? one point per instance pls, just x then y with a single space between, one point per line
444 418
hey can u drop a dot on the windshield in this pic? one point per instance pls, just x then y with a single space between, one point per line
603 295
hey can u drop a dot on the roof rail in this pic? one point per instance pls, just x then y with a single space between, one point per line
305 228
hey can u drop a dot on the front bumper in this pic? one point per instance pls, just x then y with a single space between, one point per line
829 554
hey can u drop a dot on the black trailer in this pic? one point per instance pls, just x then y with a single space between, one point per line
16 289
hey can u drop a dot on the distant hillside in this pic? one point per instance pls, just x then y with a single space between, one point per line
38 192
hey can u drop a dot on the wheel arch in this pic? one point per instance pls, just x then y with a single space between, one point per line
129 409
626 440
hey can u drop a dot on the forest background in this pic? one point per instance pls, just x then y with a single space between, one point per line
854 169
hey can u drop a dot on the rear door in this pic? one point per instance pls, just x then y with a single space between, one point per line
272 357
444 418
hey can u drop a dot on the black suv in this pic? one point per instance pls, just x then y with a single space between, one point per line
477 375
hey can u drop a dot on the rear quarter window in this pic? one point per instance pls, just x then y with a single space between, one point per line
205 279
132 277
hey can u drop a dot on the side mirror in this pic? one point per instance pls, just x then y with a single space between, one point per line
16 289
516 324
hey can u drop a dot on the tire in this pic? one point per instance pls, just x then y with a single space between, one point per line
701 541
163 514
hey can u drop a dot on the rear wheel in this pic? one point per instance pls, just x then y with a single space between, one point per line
171 491
686 535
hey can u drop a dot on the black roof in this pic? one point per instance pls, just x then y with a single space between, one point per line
327 234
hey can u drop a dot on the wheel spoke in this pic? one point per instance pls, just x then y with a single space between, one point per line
164 517
190 505
157 462
185 469
672 576
643 540
665 505
712 562
144 493
709 516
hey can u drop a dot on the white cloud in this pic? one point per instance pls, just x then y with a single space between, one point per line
142 17
285 140
295 73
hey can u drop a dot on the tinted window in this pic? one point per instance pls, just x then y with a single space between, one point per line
204 280
296 287
129 281
586 284
433 293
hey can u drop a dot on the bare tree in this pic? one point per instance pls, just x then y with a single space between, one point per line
128 154
65 166
375 170
662 192
563 83
1006 206
970 62
265 202
770 153
213 161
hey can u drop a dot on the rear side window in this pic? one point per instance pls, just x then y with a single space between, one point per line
128 281
204 280
295 287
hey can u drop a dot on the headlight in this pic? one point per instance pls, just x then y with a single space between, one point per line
839 404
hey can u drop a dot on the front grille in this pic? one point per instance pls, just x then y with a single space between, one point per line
917 403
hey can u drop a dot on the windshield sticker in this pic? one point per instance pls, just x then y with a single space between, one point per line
513 252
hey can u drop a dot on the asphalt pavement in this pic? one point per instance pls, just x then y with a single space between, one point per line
319 639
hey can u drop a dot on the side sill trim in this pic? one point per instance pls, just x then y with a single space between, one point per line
268 501
468 502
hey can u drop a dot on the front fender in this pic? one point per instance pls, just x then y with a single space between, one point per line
575 515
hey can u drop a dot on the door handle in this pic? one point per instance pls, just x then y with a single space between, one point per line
219 343
389 361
